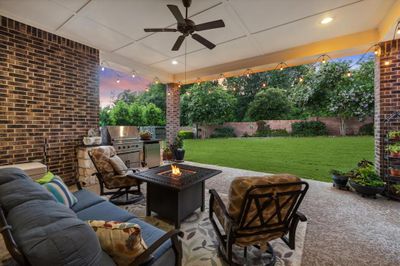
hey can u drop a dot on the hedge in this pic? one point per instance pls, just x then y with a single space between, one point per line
223 132
309 128
186 134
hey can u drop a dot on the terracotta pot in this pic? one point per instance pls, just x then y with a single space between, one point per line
167 156
395 172
395 155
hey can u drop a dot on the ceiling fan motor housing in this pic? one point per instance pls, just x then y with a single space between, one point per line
187 28
187 3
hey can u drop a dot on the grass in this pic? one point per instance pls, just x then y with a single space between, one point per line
311 157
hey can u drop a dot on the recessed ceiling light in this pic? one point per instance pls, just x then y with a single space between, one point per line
174 62
326 20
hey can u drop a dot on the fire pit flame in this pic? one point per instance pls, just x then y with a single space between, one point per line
175 170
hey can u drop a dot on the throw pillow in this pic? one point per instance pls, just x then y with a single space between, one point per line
118 165
60 192
122 241
46 178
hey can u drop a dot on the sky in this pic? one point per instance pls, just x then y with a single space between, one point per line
109 88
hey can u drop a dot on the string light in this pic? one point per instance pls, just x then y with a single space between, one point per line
118 80
221 76
102 68
248 72
324 58
264 85
179 84
281 66
387 62
301 79
133 74
188 93
147 89
198 81
156 80
349 74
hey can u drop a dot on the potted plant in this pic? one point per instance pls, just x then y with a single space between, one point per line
394 171
167 154
365 180
394 135
177 149
145 135
394 150
339 179
396 189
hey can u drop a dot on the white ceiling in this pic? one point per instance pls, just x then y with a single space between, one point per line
253 27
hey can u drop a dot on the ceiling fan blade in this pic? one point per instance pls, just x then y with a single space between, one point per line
177 13
178 43
210 25
203 41
160 30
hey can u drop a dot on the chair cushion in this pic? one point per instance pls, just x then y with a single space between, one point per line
105 211
125 180
101 158
86 199
11 173
21 190
122 241
118 165
150 235
60 192
53 237
237 193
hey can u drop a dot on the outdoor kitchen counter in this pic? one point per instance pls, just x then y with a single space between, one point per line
149 141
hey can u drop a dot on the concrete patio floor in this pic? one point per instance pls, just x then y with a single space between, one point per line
343 227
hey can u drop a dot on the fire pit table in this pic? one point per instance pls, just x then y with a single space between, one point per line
175 191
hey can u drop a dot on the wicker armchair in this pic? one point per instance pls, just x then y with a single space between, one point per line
119 186
259 209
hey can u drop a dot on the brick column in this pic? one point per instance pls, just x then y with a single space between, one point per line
173 112
387 94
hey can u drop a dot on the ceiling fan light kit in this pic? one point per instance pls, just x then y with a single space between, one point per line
188 27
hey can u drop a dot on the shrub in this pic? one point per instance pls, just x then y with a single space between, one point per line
186 134
309 128
366 130
223 132
272 133
245 135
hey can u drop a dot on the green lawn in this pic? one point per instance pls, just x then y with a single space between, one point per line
311 157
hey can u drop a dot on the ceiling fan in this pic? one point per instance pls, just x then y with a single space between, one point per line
188 27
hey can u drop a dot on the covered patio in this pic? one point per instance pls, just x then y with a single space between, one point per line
51 53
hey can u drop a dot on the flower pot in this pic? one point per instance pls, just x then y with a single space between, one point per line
340 181
366 191
167 156
395 154
179 154
394 172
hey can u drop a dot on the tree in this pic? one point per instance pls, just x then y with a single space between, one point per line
207 103
271 103
126 96
104 116
154 95
354 96
153 115
136 112
120 114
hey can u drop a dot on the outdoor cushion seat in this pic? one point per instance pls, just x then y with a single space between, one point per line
10 193
86 199
10 174
104 211
150 234
53 237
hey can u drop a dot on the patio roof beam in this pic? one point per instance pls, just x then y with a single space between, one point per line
341 46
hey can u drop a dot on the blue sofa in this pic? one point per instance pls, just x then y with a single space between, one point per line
39 231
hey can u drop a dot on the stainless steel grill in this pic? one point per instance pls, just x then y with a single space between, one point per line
126 141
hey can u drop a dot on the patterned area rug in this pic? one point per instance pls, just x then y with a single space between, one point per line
200 246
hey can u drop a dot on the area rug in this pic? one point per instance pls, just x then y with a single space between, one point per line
200 246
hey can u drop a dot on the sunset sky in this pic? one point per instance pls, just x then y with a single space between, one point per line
109 88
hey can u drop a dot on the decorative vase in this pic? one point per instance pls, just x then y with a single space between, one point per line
179 154
394 172
340 181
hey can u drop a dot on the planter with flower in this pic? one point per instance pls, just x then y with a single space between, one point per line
145 135
394 135
365 180
395 189
167 154
340 179
394 150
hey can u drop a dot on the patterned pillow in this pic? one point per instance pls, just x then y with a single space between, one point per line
101 157
118 165
122 241
60 192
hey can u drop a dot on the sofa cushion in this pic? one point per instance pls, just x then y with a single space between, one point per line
122 241
106 260
10 174
21 190
86 199
150 235
53 237
104 211
60 192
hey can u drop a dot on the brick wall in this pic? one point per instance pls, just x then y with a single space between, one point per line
48 90
332 124
387 94
173 112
